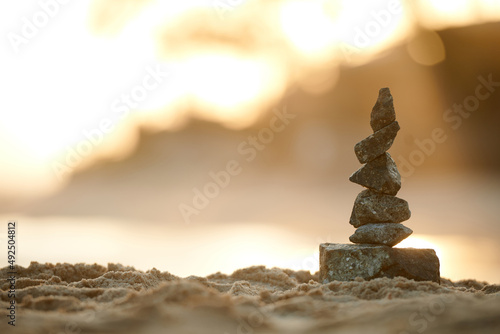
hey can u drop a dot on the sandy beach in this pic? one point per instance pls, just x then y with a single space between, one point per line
179 166
83 298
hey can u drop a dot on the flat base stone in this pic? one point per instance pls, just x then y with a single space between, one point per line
345 262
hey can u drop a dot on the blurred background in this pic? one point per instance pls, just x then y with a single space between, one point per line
199 136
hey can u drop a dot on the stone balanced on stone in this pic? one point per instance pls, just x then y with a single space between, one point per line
377 214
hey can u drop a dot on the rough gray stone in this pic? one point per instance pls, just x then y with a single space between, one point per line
383 112
371 207
380 174
381 234
340 262
376 144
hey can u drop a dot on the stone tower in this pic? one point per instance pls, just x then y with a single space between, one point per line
377 214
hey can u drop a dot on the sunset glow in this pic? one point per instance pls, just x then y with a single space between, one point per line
224 85
420 242
244 166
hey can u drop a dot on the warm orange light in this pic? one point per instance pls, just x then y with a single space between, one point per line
426 48
224 85
418 241
316 28
448 12
308 26
66 90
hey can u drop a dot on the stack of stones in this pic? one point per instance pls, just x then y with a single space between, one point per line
377 212
377 215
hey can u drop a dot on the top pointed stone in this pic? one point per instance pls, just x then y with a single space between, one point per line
383 112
